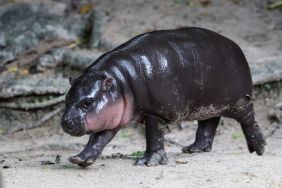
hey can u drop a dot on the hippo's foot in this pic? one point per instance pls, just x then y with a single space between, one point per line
153 159
204 136
256 142
197 148
82 161
93 148
254 136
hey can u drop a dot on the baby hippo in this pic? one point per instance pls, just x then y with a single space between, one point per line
160 77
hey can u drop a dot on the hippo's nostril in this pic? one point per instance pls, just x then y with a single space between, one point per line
74 126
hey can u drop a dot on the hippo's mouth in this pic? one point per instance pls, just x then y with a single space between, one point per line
75 126
79 129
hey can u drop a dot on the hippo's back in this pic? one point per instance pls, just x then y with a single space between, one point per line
195 66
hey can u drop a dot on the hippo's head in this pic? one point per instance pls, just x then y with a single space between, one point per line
93 104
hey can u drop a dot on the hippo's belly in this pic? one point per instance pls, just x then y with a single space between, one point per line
192 113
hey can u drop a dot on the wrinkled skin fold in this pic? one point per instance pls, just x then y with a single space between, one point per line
157 78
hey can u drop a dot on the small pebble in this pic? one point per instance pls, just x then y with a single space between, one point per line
58 159
181 162
47 163
160 176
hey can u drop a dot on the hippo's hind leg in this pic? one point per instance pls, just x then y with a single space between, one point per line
204 136
155 153
254 136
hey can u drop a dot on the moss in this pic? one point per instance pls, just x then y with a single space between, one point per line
238 135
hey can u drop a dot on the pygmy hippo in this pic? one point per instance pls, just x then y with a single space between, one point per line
160 77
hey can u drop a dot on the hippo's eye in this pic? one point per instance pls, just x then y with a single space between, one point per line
85 103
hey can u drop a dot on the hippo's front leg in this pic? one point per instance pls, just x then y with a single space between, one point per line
155 152
93 148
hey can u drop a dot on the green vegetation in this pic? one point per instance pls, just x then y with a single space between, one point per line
275 5
238 135
136 154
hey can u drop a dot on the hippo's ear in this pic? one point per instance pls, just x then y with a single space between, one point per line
107 83
71 80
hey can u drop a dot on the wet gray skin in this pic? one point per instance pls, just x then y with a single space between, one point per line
157 78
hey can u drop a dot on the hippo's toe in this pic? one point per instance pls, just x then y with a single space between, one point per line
81 162
256 142
152 159
196 148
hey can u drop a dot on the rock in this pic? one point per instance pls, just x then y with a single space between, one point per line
33 86
98 19
76 59
2 41
27 102
275 114
18 119
31 103
26 99
80 59
24 26
58 159
49 60
268 70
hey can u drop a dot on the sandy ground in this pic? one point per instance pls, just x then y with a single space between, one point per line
229 164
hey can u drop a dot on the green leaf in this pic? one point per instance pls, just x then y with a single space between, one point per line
275 5
136 154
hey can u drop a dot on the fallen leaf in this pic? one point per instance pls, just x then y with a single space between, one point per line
13 69
86 8
275 5
24 72
75 43
205 2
